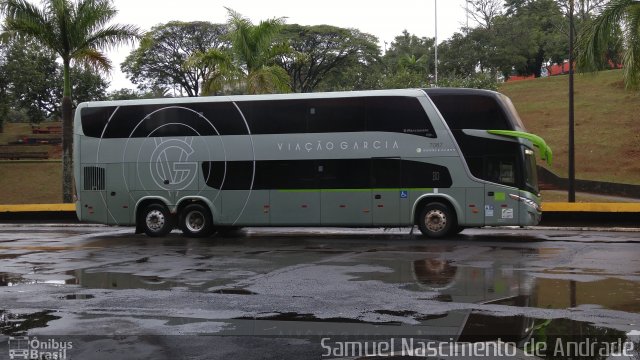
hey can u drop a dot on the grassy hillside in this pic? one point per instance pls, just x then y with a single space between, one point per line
30 182
607 119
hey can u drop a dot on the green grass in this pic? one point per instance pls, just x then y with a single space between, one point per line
607 123
30 182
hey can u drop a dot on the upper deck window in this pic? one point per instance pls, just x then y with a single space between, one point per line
399 114
465 111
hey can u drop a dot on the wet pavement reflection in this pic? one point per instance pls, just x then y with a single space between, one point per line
514 286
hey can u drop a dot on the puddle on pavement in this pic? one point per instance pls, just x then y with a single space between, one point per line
234 292
77 297
544 338
547 338
468 284
311 318
15 324
449 281
9 279
117 280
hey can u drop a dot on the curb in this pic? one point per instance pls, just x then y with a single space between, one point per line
37 207
591 207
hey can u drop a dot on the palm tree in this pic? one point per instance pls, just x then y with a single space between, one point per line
223 73
255 49
600 34
77 32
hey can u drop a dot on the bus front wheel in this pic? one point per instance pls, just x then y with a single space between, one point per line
156 220
436 220
195 221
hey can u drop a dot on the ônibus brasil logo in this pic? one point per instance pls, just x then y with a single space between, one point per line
24 347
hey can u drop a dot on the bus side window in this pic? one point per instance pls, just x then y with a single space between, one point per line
500 169
275 116
398 114
345 174
336 115
385 173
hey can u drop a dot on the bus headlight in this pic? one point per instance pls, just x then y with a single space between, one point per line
527 201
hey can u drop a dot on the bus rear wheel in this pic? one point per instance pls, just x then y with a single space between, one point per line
436 220
156 220
195 221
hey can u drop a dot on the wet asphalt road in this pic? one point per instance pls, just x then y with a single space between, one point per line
272 293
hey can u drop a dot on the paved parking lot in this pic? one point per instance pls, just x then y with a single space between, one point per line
270 293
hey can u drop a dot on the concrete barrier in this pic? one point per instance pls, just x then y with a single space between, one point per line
591 207
37 207
38 212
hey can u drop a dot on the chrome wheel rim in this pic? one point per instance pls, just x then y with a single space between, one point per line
194 221
155 220
435 220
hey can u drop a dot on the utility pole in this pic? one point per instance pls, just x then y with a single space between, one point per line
467 13
572 155
436 38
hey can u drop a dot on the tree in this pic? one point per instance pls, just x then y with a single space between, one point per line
409 45
584 9
597 37
529 35
77 32
463 53
257 52
318 50
87 85
484 12
33 74
409 62
130 94
159 60
4 84
33 80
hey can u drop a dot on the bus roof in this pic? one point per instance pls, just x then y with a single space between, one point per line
290 96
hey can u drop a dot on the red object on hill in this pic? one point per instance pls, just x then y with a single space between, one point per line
556 69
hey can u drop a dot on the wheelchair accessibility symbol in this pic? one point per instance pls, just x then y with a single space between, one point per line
404 194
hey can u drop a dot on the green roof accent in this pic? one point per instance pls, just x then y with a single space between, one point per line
545 150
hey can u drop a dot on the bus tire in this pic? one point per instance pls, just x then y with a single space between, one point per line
436 220
195 221
156 220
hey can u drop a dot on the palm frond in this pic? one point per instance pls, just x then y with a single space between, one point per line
25 19
268 79
632 53
593 40
76 30
252 42
93 59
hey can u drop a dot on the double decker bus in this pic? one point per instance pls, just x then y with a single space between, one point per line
441 159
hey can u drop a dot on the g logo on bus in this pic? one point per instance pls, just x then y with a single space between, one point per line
169 165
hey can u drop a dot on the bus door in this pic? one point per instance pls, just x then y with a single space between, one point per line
500 209
387 194
116 194
345 194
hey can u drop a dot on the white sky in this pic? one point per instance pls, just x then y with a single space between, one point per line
383 19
